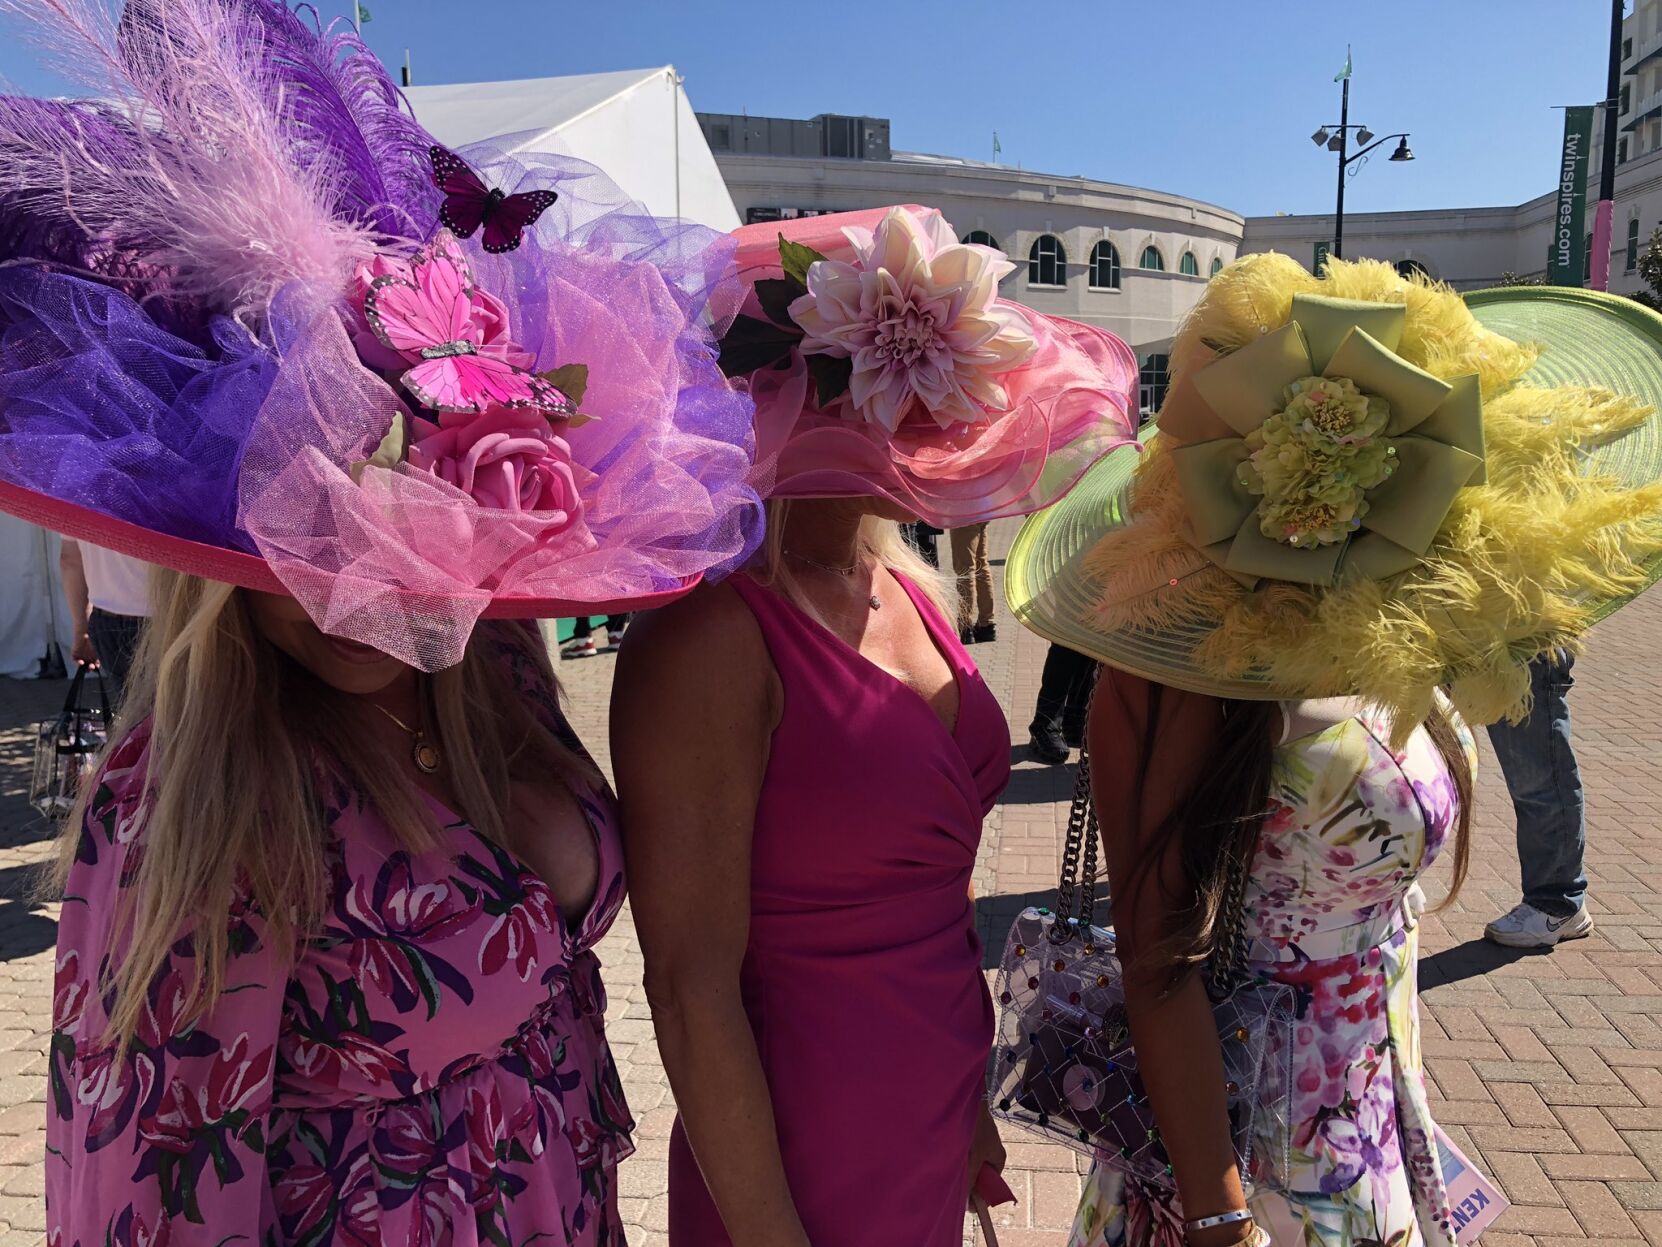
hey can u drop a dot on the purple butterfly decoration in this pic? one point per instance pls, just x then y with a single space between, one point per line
469 203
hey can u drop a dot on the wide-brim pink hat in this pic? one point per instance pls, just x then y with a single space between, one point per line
882 363
256 325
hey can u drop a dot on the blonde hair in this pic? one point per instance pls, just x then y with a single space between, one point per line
879 539
240 735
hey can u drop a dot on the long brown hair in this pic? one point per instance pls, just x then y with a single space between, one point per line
1218 822
240 737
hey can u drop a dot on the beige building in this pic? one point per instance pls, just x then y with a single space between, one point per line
1130 260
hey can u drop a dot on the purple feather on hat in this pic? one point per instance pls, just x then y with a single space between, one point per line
242 150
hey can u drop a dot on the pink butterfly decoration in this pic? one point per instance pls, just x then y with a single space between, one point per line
427 311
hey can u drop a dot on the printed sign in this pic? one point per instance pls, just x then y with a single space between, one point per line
1474 1200
1567 260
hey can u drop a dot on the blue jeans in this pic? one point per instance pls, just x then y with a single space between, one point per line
1541 774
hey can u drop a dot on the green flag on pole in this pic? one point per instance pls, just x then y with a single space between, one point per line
1345 72
363 14
996 148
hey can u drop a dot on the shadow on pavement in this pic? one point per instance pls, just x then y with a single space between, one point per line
1473 959
995 915
1038 785
23 934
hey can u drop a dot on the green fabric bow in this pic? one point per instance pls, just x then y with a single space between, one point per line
1434 437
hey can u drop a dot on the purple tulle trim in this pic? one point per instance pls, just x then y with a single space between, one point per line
101 407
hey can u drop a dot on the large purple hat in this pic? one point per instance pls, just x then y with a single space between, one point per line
257 326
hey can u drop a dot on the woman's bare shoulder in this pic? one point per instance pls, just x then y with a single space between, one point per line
707 645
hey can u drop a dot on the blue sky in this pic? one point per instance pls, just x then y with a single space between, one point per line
1211 98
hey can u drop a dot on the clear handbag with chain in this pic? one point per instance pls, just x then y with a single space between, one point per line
1063 1063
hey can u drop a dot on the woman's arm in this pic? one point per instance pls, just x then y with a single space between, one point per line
73 571
693 710
1174 1032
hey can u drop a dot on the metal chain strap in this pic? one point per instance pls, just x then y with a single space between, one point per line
1079 850
1229 950
1079 878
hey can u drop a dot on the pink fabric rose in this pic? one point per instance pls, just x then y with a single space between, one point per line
507 459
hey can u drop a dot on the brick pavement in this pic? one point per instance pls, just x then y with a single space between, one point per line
1547 1069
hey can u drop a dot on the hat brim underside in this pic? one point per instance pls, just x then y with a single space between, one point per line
1589 338
249 571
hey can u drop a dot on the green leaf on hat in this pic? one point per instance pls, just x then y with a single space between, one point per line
796 258
776 294
389 454
572 380
831 374
751 344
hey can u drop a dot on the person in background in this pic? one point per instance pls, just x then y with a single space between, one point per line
1538 760
975 584
921 537
1064 696
109 599
582 643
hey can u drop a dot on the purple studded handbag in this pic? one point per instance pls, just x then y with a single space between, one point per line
1063 1064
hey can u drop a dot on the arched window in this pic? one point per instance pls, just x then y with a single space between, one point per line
981 238
1217 265
1411 268
1188 265
1152 259
1633 244
1105 266
1153 379
1047 263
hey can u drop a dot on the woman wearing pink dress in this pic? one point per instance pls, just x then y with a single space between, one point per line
805 753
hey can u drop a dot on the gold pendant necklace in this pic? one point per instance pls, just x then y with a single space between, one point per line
423 752
872 600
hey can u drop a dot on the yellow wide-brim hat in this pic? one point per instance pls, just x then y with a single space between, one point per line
1514 463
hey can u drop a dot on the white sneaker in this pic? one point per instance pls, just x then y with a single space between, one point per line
1528 927
578 647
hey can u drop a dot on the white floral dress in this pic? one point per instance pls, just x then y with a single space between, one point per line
1332 904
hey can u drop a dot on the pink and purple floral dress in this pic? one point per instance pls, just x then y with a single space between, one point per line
432 1072
1332 904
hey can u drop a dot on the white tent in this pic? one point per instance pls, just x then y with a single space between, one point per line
34 615
636 124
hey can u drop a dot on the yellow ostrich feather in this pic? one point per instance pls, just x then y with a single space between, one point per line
1508 576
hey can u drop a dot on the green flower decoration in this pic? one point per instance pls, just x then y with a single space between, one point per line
1317 452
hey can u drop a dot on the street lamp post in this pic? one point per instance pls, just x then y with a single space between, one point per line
1337 139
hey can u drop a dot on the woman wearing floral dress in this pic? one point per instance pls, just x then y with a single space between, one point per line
420 1059
1345 824
1362 514
326 970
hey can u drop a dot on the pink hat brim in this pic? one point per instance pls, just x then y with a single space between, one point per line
249 571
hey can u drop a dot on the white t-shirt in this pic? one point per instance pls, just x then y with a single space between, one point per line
117 584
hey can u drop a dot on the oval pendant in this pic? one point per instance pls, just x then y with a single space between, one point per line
876 603
426 757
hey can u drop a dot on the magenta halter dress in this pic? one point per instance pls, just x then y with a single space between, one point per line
863 978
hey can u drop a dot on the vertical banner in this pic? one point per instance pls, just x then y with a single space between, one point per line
1568 258
1318 260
